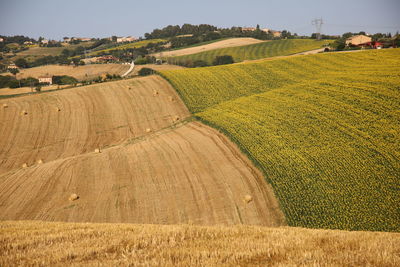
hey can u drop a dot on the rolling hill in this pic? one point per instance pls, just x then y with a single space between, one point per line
253 51
324 129
130 152
231 42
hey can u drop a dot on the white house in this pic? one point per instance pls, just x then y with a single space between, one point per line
46 79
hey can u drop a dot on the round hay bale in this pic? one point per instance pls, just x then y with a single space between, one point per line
40 161
5 106
58 109
73 197
148 130
155 93
176 118
171 99
25 165
248 198
97 150
129 88
24 112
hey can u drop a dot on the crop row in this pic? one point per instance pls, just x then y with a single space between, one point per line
255 51
324 129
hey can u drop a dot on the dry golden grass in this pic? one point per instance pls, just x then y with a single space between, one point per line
85 72
49 244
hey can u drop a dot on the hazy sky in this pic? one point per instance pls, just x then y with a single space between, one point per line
55 19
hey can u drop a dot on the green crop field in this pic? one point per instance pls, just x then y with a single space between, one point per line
256 51
324 129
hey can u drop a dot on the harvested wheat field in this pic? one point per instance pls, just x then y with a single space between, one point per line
85 72
4 92
186 174
73 121
232 42
44 243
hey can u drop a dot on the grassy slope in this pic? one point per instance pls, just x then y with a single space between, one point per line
256 51
129 45
40 243
325 130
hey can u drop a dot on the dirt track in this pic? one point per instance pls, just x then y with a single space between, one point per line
221 44
151 169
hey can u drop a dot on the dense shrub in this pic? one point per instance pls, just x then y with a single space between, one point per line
223 60
64 79
146 71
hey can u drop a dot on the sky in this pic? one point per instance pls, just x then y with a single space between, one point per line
54 19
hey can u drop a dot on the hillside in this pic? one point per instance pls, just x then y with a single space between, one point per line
83 119
153 164
125 46
324 129
85 72
231 42
40 243
255 51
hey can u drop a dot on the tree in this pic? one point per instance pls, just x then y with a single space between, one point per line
76 61
22 63
145 72
222 60
14 71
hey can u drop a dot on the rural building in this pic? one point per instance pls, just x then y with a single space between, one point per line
107 59
126 39
1 39
266 30
28 43
45 41
248 29
83 39
276 33
46 79
358 39
12 66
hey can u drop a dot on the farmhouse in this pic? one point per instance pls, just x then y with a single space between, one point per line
126 39
46 79
358 39
12 66
276 33
248 29
107 59
45 41
28 43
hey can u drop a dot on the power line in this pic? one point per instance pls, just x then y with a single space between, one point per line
318 25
